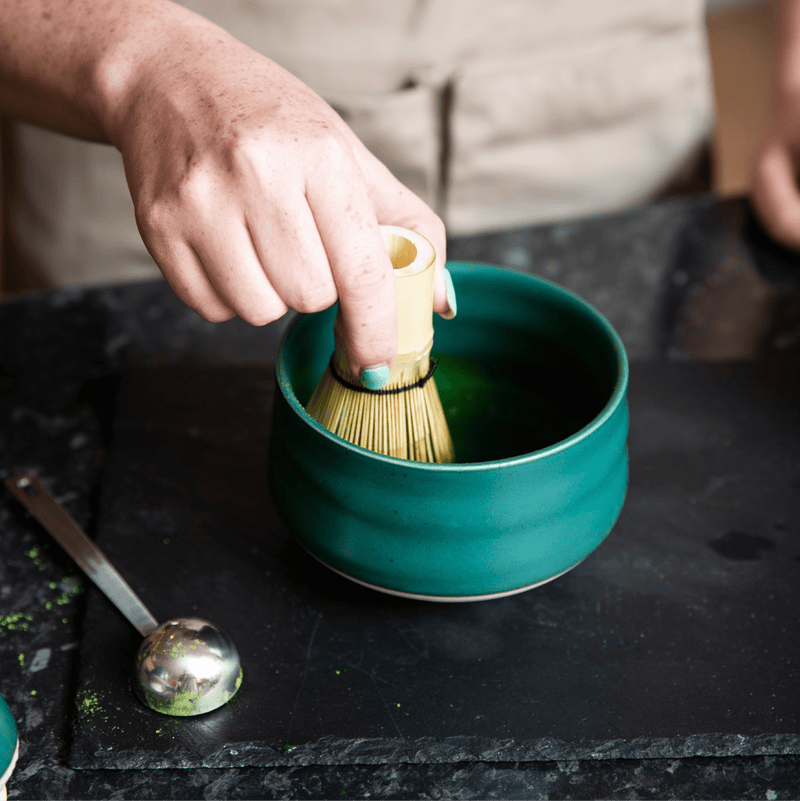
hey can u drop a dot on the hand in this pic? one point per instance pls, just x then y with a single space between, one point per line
253 196
775 194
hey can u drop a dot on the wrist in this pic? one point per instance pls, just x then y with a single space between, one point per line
147 41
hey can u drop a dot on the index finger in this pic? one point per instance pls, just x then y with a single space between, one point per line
360 265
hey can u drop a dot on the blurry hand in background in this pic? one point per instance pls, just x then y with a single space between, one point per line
775 193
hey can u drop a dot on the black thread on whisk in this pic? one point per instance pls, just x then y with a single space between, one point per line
396 391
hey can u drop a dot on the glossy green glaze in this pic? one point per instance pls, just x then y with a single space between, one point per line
8 737
533 381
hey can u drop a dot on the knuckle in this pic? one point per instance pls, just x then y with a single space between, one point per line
208 306
154 219
315 299
263 314
214 315
247 154
367 277
196 189
328 149
368 291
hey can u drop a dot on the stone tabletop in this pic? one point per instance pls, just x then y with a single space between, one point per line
686 281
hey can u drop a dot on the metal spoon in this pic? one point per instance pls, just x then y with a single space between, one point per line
185 666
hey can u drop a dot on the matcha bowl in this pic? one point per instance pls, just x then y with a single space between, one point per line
9 746
533 381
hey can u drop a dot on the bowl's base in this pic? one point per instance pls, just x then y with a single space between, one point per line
449 599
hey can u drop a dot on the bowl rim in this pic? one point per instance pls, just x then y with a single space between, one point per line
510 274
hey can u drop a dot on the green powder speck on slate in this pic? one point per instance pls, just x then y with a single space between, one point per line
89 703
20 621
16 621
33 554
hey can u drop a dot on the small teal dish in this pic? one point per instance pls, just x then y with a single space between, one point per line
534 382
9 745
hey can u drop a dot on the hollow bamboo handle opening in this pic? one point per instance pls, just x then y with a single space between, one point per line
413 259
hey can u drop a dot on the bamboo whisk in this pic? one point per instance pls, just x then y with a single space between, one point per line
405 419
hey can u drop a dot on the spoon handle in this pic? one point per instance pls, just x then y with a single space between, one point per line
62 527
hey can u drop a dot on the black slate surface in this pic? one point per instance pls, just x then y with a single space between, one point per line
661 274
671 640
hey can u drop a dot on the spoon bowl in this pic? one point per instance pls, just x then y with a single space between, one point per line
186 666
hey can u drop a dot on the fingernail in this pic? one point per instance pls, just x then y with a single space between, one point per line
375 377
451 296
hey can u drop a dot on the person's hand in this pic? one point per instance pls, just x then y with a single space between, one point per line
775 194
253 196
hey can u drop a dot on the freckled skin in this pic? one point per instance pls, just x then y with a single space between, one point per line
239 173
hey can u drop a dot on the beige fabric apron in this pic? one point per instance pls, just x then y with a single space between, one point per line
499 113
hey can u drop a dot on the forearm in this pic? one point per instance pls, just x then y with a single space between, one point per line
68 65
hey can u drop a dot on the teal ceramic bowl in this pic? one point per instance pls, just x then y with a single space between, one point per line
533 381
9 745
